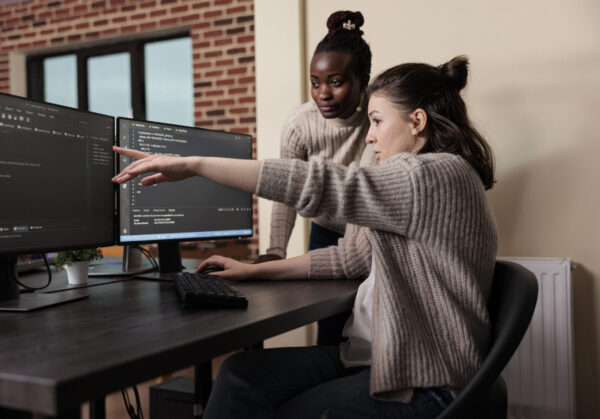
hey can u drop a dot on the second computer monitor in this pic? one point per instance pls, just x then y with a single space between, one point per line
189 210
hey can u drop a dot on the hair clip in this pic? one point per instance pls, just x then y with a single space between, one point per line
349 25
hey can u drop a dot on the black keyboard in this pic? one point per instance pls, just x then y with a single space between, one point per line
204 290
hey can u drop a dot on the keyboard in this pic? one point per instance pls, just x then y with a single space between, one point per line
203 290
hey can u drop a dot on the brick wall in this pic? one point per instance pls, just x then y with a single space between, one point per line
222 33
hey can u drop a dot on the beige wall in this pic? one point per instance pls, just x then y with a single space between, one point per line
534 93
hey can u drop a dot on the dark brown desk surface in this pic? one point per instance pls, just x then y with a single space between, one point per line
54 359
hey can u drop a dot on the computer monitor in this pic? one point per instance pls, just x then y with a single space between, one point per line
191 210
55 169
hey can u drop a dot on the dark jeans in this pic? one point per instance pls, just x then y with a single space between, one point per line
330 328
306 383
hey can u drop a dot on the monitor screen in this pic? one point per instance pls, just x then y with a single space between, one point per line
55 169
190 210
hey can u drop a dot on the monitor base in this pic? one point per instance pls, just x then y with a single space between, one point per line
34 301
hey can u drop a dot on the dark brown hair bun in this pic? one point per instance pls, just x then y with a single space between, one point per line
345 20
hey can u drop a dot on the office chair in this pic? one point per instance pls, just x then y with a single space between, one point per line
512 301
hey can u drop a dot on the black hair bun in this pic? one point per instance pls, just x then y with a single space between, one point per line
456 71
345 20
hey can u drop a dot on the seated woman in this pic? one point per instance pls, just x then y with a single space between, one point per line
420 232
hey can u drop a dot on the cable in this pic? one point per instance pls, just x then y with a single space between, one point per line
31 289
131 411
148 255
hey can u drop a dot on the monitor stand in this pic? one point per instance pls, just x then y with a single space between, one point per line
132 264
169 262
12 300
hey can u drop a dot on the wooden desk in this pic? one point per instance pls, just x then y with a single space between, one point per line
54 359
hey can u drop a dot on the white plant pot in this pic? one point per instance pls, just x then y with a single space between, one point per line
77 273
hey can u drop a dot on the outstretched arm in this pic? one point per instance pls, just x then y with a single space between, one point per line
293 268
236 173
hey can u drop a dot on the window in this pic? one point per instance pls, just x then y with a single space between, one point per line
149 79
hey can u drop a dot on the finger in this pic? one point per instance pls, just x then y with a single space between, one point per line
136 154
211 261
153 179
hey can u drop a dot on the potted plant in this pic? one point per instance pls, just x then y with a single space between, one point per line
77 263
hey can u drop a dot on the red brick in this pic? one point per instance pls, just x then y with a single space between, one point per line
148 4
160 12
246 80
225 102
148 26
83 25
247 38
138 16
221 2
248 99
215 93
227 82
119 19
110 32
213 54
80 8
201 5
238 110
203 104
179 9
92 35
64 28
190 18
200 25
101 22
167 22
220 63
221 42
204 123
234 10
202 64
212 34
228 121
241 70
213 73
128 29
214 13
238 90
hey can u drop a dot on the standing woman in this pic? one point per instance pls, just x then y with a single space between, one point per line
421 236
333 127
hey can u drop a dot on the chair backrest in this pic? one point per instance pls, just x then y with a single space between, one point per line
512 302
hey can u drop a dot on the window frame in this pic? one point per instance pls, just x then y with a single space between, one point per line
35 69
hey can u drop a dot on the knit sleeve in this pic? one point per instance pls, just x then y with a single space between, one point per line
283 217
378 197
351 258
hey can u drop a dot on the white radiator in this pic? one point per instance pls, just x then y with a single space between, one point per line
540 377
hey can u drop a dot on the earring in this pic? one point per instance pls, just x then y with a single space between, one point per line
358 108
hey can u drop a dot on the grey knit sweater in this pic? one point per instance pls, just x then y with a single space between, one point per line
434 240
307 134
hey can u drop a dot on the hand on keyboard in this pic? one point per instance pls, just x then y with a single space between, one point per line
205 290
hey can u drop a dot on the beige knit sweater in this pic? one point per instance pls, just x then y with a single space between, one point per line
433 238
307 134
